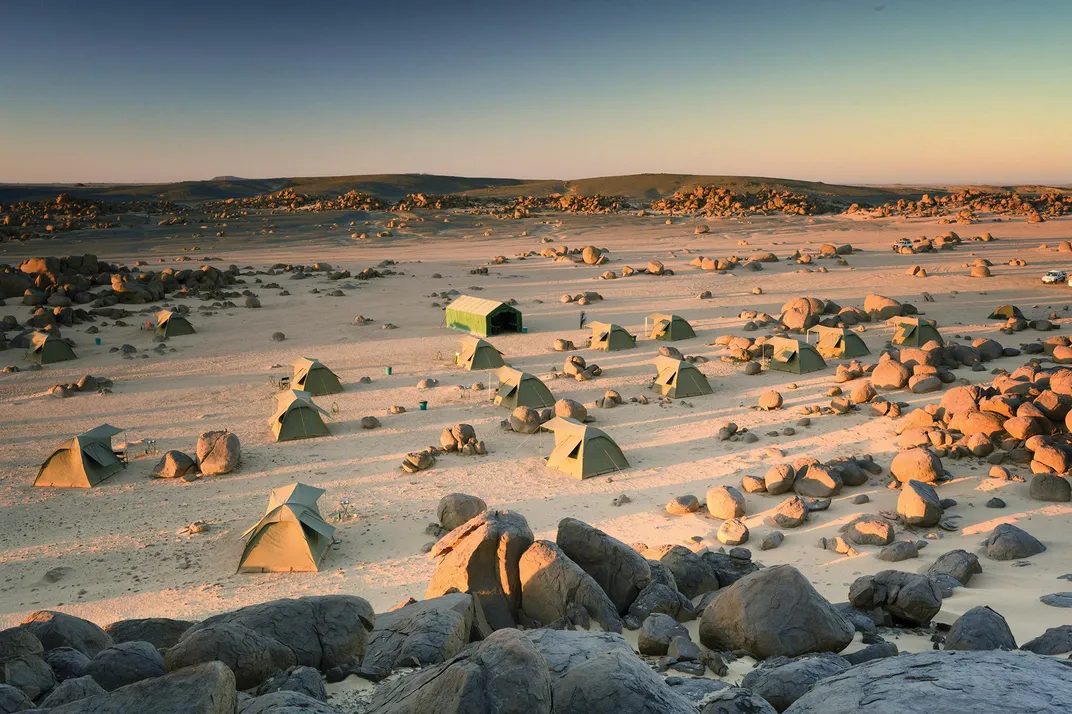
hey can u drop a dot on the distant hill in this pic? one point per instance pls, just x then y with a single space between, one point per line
640 188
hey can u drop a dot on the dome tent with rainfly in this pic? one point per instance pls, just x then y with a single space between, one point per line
1005 312
610 337
583 451
172 324
46 348
482 317
83 461
794 356
313 377
914 332
670 328
291 537
521 389
297 417
479 354
678 379
838 343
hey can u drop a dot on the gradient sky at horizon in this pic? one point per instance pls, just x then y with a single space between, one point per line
866 91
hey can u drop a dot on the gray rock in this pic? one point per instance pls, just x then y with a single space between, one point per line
456 508
991 682
904 597
781 680
618 569
252 657
125 663
874 651
659 598
218 452
736 700
772 612
551 582
980 628
1050 487
563 650
959 564
616 683
66 663
919 505
28 673
771 540
1054 641
869 530
1057 599
204 689
693 575
174 464
161 632
13 700
899 550
421 633
323 631
656 633
72 690
303 680
730 567
1007 542
697 690
19 642
285 702
58 629
503 674
482 558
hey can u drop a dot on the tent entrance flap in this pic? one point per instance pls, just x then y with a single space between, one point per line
504 321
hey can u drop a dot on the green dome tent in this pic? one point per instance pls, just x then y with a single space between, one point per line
794 356
292 537
678 379
479 354
914 332
838 343
670 328
1005 312
172 324
610 337
521 389
313 377
297 417
583 451
82 462
46 348
482 317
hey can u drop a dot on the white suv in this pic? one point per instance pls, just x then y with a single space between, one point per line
1054 277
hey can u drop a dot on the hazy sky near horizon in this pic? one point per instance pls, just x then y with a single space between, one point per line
831 90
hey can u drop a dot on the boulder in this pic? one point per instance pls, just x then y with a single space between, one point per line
919 504
616 682
1007 542
880 307
1050 487
959 564
66 663
904 597
569 409
869 530
323 631
656 633
781 680
13 700
421 633
980 628
770 400
736 700
917 464
525 420
779 479
58 629
218 452
551 582
991 682
125 663
1054 641
174 464
890 374
161 632
774 612
252 657
692 574
818 481
660 597
505 673
725 502
302 680
790 513
285 702
71 690
621 571
456 509
203 689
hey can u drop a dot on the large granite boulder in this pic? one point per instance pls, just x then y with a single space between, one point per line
58 629
204 689
1007 542
893 596
13 700
565 649
421 633
980 628
285 702
72 690
945 682
621 571
323 631
125 663
774 612
504 674
66 662
252 657
303 680
551 582
692 574
161 632
736 700
782 681
481 557
959 564
616 683
22 664
218 452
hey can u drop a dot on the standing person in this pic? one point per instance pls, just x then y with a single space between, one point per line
582 320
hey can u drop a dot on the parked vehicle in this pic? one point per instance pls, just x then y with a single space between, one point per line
1054 277
902 243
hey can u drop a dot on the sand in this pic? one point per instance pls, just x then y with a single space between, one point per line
114 552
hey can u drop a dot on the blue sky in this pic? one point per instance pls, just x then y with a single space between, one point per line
832 90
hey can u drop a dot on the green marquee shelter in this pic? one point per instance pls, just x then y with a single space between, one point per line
483 317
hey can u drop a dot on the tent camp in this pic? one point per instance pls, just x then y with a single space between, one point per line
291 537
483 317
678 379
313 377
83 461
838 343
297 417
521 389
914 332
172 324
46 348
610 337
1005 312
670 328
478 354
583 451
794 356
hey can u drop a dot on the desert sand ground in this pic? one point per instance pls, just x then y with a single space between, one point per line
117 545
